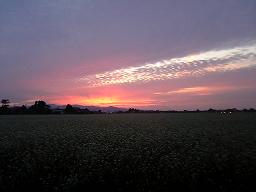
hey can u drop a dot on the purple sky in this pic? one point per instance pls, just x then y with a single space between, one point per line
157 54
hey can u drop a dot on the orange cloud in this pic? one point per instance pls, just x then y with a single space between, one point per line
200 90
192 90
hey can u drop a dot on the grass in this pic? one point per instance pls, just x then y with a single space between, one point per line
128 152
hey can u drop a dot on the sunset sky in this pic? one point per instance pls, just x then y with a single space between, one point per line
148 54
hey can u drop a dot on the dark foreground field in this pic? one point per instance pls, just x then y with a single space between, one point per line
128 152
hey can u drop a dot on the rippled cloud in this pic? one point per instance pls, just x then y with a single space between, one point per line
192 65
204 90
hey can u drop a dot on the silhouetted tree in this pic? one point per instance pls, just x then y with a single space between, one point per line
5 103
87 111
69 109
23 109
4 108
252 110
211 110
231 110
40 107
133 110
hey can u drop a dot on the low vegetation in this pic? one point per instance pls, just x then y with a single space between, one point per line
128 152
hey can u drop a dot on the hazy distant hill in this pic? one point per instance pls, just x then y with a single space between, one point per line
108 109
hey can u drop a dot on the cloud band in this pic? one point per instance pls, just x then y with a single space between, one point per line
191 65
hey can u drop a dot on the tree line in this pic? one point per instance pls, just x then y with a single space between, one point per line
41 107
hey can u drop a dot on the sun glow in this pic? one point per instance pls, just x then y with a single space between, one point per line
114 101
100 101
104 101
